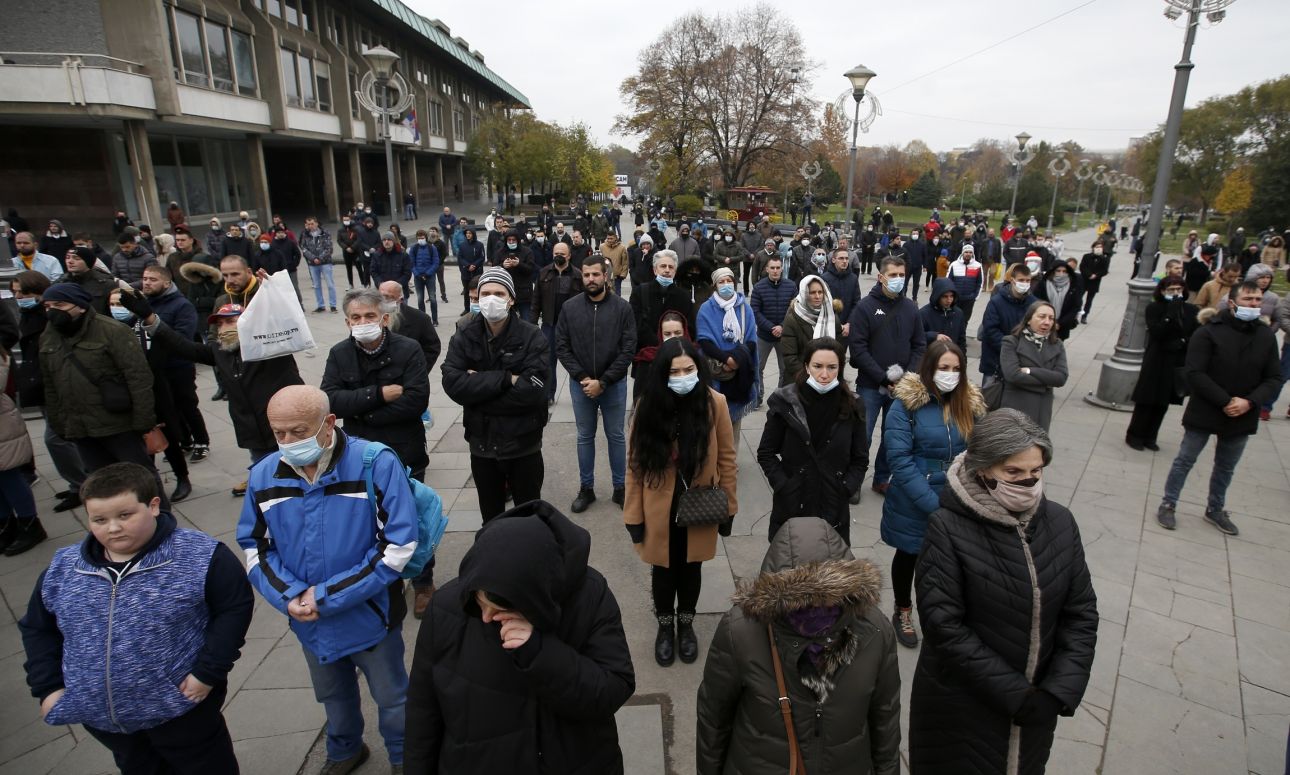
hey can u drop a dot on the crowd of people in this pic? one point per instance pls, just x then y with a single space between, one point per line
521 660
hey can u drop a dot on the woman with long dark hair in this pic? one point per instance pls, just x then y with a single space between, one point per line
931 418
813 449
681 438
1171 321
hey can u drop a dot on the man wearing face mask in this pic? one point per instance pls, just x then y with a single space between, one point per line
497 368
1092 268
727 252
916 257
640 261
248 386
1233 368
887 340
334 564
518 262
685 246
557 283
802 255
967 276
1006 308
842 287
595 340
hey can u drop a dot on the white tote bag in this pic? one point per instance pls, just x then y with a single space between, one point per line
273 324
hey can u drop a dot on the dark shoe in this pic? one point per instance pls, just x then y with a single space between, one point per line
586 496
618 496
903 621
333 309
182 490
219 394
687 643
1166 517
665 641
319 309
881 488
444 299
421 601
346 766
200 453
239 489
65 494
29 533
1135 444
1219 519
8 532
67 504
855 499
1151 445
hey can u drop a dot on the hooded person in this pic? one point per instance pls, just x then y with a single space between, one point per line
521 660
694 276
814 610
811 315
942 316
470 259
512 255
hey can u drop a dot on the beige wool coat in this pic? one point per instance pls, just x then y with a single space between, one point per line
652 505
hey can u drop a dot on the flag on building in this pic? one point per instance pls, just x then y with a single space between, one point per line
410 121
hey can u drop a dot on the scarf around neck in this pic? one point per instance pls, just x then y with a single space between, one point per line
821 321
732 324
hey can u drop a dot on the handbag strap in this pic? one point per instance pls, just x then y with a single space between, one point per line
71 356
795 764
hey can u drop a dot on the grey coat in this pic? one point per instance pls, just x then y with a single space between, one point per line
1032 393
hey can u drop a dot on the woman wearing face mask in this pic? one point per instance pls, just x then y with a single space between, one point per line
1063 290
1032 361
931 418
813 449
812 315
680 437
727 333
1170 323
1007 606
1092 268
670 326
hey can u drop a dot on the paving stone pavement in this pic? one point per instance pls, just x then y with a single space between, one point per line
1191 673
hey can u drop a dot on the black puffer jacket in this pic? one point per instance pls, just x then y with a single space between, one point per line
812 478
1007 607
846 711
353 380
1229 358
503 419
545 707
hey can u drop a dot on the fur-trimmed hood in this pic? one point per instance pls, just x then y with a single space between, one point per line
808 564
910 391
196 272
1211 315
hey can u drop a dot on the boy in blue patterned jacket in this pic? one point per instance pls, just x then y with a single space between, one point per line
133 631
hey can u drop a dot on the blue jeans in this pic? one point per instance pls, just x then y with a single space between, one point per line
875 414
15 496
1227 454
318 275
612 404
425 287
336 687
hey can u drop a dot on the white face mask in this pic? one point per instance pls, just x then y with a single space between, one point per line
946 381
821 387
493 308
366 332
1022 286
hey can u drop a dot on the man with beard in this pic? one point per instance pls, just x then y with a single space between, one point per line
248 385
30 259
179 373
557 283
410 322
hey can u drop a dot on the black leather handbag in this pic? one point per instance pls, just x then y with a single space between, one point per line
701 505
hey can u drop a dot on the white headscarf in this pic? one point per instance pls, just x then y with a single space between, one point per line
822 320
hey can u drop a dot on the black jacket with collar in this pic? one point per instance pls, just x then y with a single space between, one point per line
417 326
884 332
1229 358
353 380
596 339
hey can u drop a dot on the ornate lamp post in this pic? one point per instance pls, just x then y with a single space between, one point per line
1099 179
859 76
1113 180
1082 173
1019 158
1120 372
384 75
1059 166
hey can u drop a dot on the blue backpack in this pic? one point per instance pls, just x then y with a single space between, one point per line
431 521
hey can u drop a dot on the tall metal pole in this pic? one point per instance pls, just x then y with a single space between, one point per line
389 149
851 171
1012 209
1079 201
1120 372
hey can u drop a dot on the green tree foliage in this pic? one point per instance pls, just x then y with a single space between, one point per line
522 151
926 191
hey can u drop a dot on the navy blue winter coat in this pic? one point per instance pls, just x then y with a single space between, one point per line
920 448
1002 314
844 288
884 332
770 302
938 320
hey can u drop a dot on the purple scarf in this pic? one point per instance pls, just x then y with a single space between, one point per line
811 622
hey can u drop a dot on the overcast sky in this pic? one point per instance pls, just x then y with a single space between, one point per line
1099 74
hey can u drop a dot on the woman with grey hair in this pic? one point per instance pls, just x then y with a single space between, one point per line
1032 361
1008 610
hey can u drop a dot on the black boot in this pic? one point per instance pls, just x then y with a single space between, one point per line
8 532
665 641
183 489
29 533
687 642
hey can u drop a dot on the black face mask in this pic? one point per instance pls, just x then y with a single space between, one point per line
63 322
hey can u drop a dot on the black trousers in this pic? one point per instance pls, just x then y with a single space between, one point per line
1088 301
196 743
183 391
352 260
1145 423
100 452
676 588
523 475
915 276
748 276
967 306
902 578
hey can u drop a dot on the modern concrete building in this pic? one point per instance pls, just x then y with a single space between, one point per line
224 106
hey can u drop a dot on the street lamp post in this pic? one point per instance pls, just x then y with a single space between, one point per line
1020 158
1082 173
859 76
1099 177
1113 179
1059 166
384 76
1120 372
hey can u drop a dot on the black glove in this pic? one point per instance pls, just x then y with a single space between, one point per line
1038 709
136 303
637 532
725 527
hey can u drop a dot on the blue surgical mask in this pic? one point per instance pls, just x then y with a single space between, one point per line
304 452
664 281
725 291
683 385
895 285
28 303
474 307
122 314
821 387
1248 314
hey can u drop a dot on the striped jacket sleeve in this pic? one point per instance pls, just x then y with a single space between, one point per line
264 565
394 542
